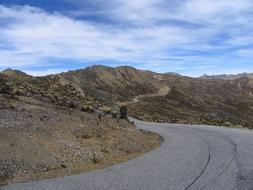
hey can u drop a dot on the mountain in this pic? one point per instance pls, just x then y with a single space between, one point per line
47 88
152 96
55 119
58 117
14 73
169 97
228 77
112 84
200 101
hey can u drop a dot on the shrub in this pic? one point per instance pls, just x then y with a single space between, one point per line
72 105
94 159
64 166
20 92
87 109
123 112
4 88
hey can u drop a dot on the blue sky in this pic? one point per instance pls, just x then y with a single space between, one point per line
190 37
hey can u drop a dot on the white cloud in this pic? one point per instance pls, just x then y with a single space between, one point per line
158 28
43 72
245 53
37 35
210 8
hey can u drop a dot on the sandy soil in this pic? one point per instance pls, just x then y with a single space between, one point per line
39 140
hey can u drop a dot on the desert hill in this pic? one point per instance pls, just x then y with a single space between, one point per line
59 115
50 128
112 84
151 96
48 89
201 101
189 100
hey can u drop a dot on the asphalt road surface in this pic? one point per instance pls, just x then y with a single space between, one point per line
191 158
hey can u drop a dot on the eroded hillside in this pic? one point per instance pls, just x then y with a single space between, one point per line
200 101
190 100
50 129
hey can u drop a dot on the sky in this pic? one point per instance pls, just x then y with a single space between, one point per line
190 37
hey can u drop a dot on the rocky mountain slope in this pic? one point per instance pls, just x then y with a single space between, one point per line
112 84
48 88
201 101
189 100
152 96
56 117
49 128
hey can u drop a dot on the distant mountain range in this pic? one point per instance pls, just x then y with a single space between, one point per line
149 96
229 76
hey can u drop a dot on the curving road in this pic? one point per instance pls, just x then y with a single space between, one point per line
191 158
162 92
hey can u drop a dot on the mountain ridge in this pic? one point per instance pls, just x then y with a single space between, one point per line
51 127
189 100
10 71
228 76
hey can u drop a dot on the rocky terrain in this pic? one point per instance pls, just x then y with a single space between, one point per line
109 85
55 125
50 129
150 96
189 100
48 89
200 101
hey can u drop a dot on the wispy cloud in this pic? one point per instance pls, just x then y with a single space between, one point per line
202 35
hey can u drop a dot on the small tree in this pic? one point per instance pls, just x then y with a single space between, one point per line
123 112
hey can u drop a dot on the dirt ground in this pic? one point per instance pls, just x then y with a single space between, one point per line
40 140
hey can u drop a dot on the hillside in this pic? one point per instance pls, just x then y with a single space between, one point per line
112 84
148 95
48 89
50 129
57 115
189 100
201 101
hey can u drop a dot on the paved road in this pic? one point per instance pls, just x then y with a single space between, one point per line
191 158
